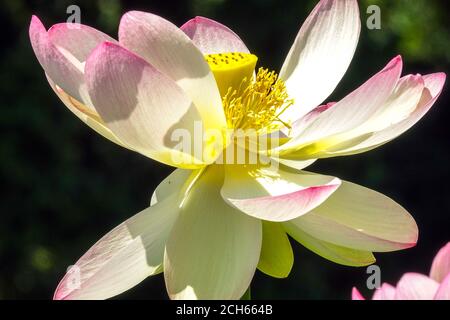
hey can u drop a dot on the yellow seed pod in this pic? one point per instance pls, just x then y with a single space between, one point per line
230 69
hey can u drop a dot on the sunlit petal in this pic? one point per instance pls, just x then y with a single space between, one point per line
213 249
213 37
320 54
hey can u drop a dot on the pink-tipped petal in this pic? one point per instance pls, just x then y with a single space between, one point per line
128 254
91 120
139 104
321 54
441 264
434 83
275 195
349 113
356 295
122 258
338 254
385 292
71 44
66 73
416 286
213 37
395 121
443 292
77 40
172 52
304 121
362 219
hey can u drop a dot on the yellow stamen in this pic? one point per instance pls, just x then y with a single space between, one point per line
249 102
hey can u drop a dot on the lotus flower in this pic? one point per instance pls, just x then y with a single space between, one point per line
416 286
210 225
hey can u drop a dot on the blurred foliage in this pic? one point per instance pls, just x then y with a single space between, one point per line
418 29
63 186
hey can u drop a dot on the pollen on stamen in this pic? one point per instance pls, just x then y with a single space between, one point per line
257 104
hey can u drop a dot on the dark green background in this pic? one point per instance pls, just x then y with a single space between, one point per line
63 186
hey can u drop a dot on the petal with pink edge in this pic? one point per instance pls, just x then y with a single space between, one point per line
416 286
347 114
338 254
275 194
140 105
213 37
131 252
76 41
320 55
298 125
170 51
433 84
356 295
91 120
362 219
213 249
66 73
403 100
441 264
385 292
122 258
443 292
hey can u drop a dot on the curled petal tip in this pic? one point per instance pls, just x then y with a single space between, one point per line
59 294
356 295
35 19
441 75
397 60
100 49
36 24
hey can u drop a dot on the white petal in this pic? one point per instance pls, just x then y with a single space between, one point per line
362 219
92 120
347 114
332 252
132 251
170 50
172 184
320 54
433 84
122 258
295 164
275 194
141 106
213 37
213 249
